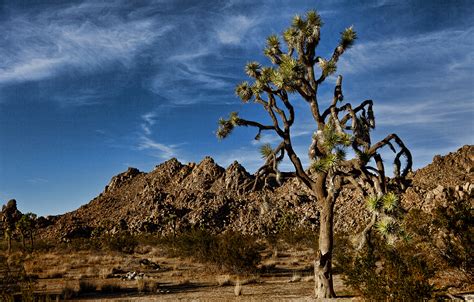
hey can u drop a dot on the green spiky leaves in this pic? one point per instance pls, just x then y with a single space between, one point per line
389 203
387 226
291 37
266 151
288 74
244 91
298 23
273 43
348 37
374 203
333 139
227 125
313 18
324 164
385 208
328 67
252 69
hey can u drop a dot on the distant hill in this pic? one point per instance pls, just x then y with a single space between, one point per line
175 196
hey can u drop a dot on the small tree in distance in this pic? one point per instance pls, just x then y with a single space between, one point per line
338 127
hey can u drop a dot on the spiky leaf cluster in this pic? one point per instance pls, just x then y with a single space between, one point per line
244 91
327 67
227 125
325 163
288 74
348 37
387 226
390 202
374 203
303 30
266 151
333 139
363 156
253 69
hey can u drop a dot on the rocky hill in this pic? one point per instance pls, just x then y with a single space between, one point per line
175 196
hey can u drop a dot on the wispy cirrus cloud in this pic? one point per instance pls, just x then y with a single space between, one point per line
159 150
75 39
147 142
235 28
415 58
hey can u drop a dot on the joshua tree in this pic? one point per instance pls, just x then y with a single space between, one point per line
10 216
338 127
26 227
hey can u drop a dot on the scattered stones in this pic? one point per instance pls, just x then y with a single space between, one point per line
150 264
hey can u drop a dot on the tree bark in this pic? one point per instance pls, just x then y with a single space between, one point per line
9 240
323 265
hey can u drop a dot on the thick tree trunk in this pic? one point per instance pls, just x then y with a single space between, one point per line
9 240
23 241
323 265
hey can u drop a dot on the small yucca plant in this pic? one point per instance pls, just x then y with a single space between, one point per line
386 226
374 203
390 202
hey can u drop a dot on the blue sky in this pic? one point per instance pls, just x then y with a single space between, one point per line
88 89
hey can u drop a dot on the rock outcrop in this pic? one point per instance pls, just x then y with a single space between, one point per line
176 196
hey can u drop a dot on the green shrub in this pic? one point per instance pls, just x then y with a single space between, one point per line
86 287
445 234
229 251
384 273
122 242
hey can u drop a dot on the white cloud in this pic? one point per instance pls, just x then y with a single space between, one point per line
235 28
426 112
420 54
49 43
161 150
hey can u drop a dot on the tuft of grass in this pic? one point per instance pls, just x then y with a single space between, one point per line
141 285
238 289
224 280
295 278
309 278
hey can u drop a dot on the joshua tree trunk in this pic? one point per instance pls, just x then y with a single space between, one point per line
23 242
323 266
9 240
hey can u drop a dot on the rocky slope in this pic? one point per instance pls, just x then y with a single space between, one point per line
175 196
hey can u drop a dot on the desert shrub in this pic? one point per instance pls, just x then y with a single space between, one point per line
110 288
229 251
237 253
456 221
382 272
446 235
288 230
122 242
14 281
86 287
68 293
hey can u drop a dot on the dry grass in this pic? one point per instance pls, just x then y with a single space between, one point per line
296 277
224 280
238 289
250 280
309 278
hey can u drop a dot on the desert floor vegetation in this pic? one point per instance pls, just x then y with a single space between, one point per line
198 264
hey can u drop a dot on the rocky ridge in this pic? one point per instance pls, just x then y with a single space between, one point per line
176 196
